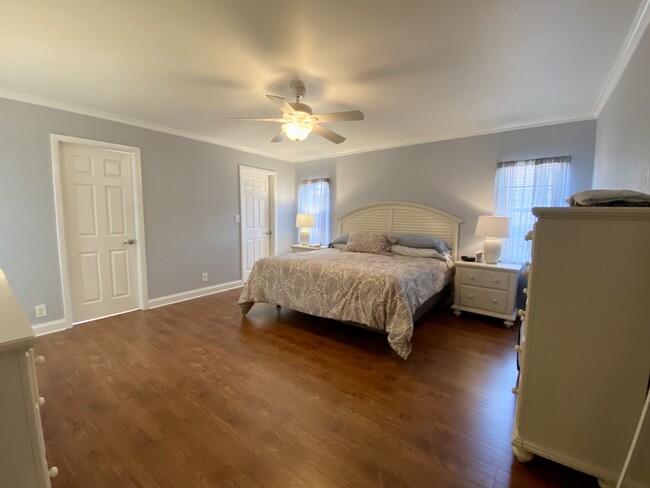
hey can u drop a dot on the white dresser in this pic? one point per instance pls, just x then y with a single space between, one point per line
488 289
22 449
585 341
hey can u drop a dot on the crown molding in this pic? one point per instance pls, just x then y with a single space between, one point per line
639 25
79 110
452 136
66 107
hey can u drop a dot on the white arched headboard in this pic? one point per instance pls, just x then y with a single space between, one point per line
402 218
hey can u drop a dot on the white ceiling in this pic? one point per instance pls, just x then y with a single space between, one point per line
419 70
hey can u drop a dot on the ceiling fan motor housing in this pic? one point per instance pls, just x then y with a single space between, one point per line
302 107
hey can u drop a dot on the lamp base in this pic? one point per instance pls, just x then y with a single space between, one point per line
491 250
304 236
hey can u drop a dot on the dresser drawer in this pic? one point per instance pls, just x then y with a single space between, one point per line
481 277
483 298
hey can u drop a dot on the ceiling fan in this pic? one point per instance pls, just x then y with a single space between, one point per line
298 119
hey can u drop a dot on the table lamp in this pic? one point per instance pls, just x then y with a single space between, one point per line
304 222
493 229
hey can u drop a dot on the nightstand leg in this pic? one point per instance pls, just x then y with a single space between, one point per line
457 313
509 323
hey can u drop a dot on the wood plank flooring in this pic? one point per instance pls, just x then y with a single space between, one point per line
190 395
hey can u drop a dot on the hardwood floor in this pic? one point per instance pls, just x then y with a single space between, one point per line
190 395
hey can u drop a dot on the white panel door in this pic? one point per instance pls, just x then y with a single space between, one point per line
256 227
100 231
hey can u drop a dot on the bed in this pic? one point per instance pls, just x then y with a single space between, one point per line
385 293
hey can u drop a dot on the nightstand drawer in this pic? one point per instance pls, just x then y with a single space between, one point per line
485 299
481 277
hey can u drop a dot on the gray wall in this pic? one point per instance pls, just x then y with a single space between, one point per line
190 189
623 137
456 176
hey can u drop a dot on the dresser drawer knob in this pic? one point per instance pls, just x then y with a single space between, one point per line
471 277
518 349
53 472
496 280
494 300
521 313
41 401
525 291
470 296
515 391
39 360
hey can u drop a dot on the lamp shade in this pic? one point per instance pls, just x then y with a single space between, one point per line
491 226
304 220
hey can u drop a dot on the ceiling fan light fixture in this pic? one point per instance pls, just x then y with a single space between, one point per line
297 130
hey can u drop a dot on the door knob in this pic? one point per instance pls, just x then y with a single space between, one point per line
130 241
268 232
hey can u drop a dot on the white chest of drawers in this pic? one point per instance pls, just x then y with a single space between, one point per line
22 448
488 289
585 342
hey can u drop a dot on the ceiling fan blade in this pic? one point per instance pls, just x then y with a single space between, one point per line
282 103
339 116
328 134
255 120
280 136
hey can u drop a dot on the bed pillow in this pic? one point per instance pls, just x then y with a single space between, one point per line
342 239
418 252
423 242
370 243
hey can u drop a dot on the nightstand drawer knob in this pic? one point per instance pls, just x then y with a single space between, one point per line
39 360
518 349
496 280
471 277
53 472
515 391
470 296
494 300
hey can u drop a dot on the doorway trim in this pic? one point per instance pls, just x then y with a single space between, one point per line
273 181
56 141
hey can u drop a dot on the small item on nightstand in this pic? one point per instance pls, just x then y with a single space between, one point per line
314 245
479 257
468 259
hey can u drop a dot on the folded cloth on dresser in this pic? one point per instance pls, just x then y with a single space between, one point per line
609 198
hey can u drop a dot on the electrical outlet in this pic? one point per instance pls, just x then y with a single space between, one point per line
41 311
204 277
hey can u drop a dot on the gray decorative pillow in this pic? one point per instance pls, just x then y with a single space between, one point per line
340 240
423 242
369 242
417 252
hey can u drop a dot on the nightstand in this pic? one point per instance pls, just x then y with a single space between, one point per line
299 248
488 289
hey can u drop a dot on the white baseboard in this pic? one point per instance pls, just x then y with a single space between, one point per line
50 327
188 295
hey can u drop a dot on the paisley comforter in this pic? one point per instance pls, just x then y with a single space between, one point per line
381 292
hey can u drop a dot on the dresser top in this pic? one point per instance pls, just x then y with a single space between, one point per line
617 213
15 330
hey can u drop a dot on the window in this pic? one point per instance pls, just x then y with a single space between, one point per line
314 198
520 186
